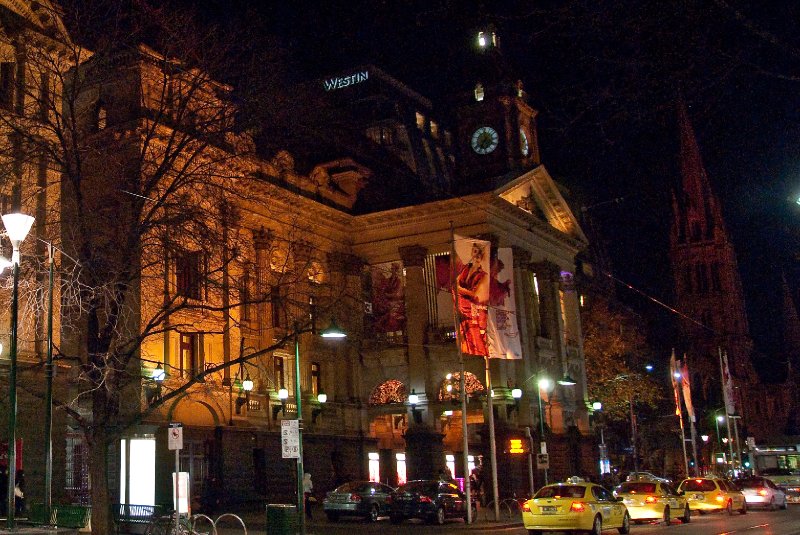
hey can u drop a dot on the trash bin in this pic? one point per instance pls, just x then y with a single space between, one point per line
281 519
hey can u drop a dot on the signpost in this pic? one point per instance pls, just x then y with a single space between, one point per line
175 442
290 439
542 461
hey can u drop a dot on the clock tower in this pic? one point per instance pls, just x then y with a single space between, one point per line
496 137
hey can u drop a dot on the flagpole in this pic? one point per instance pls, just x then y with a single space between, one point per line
727 402
463 380
692 428
678 410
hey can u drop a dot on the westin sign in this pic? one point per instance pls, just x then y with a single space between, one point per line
344 81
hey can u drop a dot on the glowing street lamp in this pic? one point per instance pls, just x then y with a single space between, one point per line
17 227
546 384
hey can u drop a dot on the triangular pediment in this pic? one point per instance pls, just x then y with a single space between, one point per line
537 193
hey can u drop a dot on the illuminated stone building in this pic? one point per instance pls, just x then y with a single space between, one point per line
244 258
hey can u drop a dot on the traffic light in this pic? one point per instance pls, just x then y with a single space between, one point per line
746 460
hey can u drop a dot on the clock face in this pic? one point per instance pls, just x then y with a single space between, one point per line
484 140
523 142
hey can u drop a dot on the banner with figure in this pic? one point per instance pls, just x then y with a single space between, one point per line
674 373
472 293
504 338
727 386
388 299
687 388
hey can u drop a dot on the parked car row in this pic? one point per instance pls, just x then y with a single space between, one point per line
577 505
572 505
431 500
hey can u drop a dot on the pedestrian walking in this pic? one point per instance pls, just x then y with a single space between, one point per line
308 494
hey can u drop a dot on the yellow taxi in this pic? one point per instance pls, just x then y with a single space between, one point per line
574 505
706 494
653 500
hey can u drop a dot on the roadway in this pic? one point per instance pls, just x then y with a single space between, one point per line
753 523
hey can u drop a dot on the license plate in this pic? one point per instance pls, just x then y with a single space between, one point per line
698 496
549 510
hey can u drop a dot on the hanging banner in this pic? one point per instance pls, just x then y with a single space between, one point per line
388 299
504 338
4 454
472 293
687 388
674 373
727 386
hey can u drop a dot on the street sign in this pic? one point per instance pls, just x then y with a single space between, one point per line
542 461
175 436
290 439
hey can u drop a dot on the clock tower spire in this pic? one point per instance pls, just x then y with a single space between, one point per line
497 138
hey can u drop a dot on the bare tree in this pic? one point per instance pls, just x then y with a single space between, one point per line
167 220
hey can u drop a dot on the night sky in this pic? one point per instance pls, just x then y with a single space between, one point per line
604 77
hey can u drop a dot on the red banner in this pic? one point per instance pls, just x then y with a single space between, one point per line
4 454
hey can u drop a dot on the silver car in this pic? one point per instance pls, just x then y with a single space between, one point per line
359 498
761 492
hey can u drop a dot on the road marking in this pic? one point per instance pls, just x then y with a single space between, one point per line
749 527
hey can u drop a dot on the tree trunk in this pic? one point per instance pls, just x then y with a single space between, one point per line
98 480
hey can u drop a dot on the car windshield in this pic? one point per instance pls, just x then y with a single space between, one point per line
422 487
701 485
776 472
637 487
750 483
354 486
561 491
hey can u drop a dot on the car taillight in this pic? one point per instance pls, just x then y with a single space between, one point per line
526 507
650 499
355 498
577 507
425 499
762 492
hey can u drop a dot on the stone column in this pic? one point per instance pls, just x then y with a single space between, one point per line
346 281
424 446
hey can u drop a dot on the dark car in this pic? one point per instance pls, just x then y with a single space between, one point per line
359 498
429 499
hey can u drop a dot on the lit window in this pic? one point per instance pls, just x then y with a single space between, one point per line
189 274
479 92
434 129
420 121
401 468
374 466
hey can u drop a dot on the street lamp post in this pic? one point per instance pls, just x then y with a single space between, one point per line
546 384
331 332
17 227
633 437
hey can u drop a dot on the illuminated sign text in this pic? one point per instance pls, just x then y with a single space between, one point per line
344 81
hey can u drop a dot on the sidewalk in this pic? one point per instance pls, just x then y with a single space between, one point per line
256 524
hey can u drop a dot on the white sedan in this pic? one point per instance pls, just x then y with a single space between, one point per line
761 492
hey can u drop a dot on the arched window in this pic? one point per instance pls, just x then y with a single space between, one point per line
391 391
451 386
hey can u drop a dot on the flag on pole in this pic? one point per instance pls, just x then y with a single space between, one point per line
727 386
687 388
673 375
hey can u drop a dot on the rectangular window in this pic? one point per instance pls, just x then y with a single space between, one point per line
280 376
276 307
244 298
44 98
189 274
190 355
316 379
76 470
7 70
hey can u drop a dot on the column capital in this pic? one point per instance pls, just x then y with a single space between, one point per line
522 257
546 270
413 255
346 263
262 238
